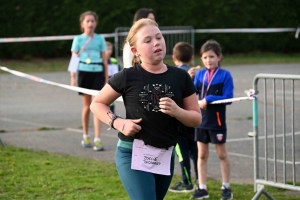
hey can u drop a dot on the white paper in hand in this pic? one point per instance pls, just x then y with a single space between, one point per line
112 69
74 62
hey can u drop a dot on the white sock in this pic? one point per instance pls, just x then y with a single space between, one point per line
97 140
227 185
203 186
86 136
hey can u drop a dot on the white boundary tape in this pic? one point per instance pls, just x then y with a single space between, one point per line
110 35
95 92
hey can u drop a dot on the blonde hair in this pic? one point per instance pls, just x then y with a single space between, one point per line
133 31
83 15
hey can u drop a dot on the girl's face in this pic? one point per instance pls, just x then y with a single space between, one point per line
210 59
150 45
89 24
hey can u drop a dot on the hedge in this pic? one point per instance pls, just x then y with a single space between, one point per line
29 18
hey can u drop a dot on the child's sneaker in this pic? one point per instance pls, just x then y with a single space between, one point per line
86 142
200 194
181 188
226 194
98 146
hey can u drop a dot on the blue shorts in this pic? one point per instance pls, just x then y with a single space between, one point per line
140 185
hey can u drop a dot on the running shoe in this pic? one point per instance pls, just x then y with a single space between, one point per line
226 193
86 142
98 146
181 188
200 194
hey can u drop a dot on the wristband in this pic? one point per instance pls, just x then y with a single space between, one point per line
124 125
112 119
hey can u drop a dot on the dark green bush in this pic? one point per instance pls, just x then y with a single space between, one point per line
29 18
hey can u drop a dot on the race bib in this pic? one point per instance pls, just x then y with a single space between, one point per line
112 69
151 159
74 62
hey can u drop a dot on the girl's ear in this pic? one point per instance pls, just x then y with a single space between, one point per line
133 50
220 57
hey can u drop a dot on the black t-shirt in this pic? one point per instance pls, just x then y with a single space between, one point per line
141 91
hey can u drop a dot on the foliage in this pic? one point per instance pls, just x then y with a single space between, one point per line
60 17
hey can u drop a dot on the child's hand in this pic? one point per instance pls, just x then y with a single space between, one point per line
192 72
168 106
203 104
131 127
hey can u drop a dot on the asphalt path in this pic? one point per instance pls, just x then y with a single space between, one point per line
26 106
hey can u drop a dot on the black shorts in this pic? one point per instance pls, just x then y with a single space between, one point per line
91 80
208 136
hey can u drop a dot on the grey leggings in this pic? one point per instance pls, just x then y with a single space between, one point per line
141 185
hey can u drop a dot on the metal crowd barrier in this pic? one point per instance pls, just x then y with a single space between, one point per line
172 35
277 125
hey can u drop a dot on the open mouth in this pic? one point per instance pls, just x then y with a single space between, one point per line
157 50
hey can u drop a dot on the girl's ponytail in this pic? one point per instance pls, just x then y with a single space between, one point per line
136 60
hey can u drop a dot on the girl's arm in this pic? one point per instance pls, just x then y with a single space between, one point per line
100 108
190 115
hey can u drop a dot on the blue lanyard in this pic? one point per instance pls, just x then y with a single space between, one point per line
209 81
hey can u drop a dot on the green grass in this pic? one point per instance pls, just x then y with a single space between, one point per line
50 65
28 174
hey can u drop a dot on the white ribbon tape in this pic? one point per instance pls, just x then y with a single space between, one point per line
95 92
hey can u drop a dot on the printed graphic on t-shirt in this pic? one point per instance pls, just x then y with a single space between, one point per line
152 93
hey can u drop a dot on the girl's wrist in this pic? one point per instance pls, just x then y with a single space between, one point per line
119 124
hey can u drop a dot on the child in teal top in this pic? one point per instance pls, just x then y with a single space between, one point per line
92 71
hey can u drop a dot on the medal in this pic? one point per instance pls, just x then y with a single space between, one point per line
88 61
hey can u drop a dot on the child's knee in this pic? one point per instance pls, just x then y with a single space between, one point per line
203 155
223 155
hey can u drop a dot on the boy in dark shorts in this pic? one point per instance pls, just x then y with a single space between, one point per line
186 148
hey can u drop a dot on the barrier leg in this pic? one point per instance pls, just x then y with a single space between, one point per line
261 190
2 143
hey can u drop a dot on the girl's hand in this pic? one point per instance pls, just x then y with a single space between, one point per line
203 104
168 106
131 127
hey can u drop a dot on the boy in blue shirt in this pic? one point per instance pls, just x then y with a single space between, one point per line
113 66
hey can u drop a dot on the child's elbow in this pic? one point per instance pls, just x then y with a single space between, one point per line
199 120
92 106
